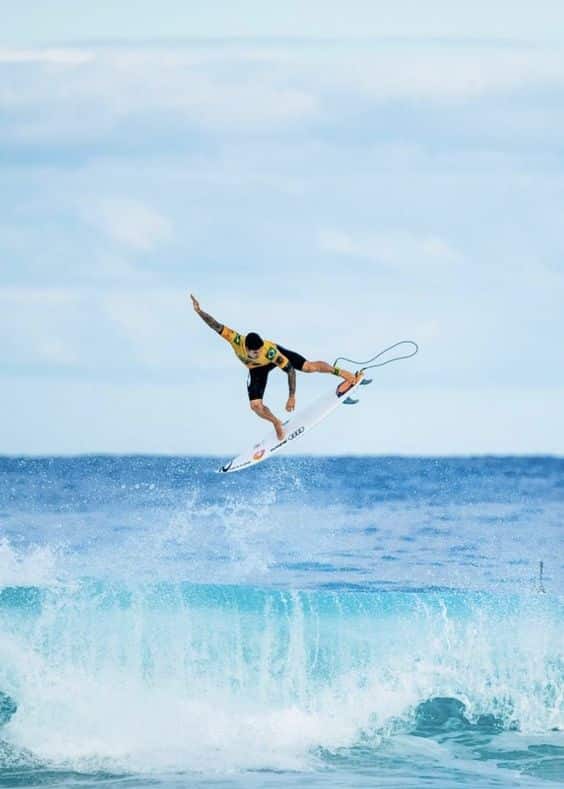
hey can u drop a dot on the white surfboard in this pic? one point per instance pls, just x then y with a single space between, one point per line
295 427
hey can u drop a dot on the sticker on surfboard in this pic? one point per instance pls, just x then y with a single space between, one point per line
294 428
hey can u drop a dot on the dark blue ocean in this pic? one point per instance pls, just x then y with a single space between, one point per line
310 622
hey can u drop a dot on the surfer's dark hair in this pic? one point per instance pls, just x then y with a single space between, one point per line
253 341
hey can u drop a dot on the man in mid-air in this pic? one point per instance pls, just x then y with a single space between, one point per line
260 357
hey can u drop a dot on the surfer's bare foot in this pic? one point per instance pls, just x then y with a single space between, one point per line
280 432
350 380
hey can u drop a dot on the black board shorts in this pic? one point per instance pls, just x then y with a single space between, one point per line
258 376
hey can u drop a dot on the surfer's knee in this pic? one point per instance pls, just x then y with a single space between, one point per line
308 367
256 406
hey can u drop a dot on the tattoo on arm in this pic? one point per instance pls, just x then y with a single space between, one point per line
291 380
212 323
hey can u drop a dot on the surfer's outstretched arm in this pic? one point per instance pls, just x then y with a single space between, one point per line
212 323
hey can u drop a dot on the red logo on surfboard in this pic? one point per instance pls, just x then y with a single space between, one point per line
259 454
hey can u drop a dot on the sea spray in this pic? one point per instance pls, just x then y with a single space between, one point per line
261 678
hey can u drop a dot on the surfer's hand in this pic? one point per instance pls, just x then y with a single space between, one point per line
291 404
195 303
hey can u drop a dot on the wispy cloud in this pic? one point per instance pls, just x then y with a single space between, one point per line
64 96
59 57
448 74
394 248
85 95
35 326
130 223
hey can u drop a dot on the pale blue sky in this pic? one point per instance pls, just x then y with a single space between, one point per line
51 21
337 177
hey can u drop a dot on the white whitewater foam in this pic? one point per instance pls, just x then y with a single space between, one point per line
36 565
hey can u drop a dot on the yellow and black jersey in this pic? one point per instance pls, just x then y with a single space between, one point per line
268 354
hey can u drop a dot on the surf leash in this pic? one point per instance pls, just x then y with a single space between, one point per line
370 363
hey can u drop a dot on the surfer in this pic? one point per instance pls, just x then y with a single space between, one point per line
260 357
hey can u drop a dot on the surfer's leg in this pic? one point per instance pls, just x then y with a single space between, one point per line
300 363
258 377
265 413
323 367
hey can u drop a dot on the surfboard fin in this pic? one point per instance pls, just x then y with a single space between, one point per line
350 401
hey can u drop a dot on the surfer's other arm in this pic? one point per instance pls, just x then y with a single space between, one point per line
291 371
212 323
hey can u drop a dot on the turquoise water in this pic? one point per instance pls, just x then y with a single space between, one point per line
337 622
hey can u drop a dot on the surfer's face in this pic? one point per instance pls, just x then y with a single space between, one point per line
253 354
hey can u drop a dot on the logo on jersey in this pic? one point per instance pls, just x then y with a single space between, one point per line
237 339
270 354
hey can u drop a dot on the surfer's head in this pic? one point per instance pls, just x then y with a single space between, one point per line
253 344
